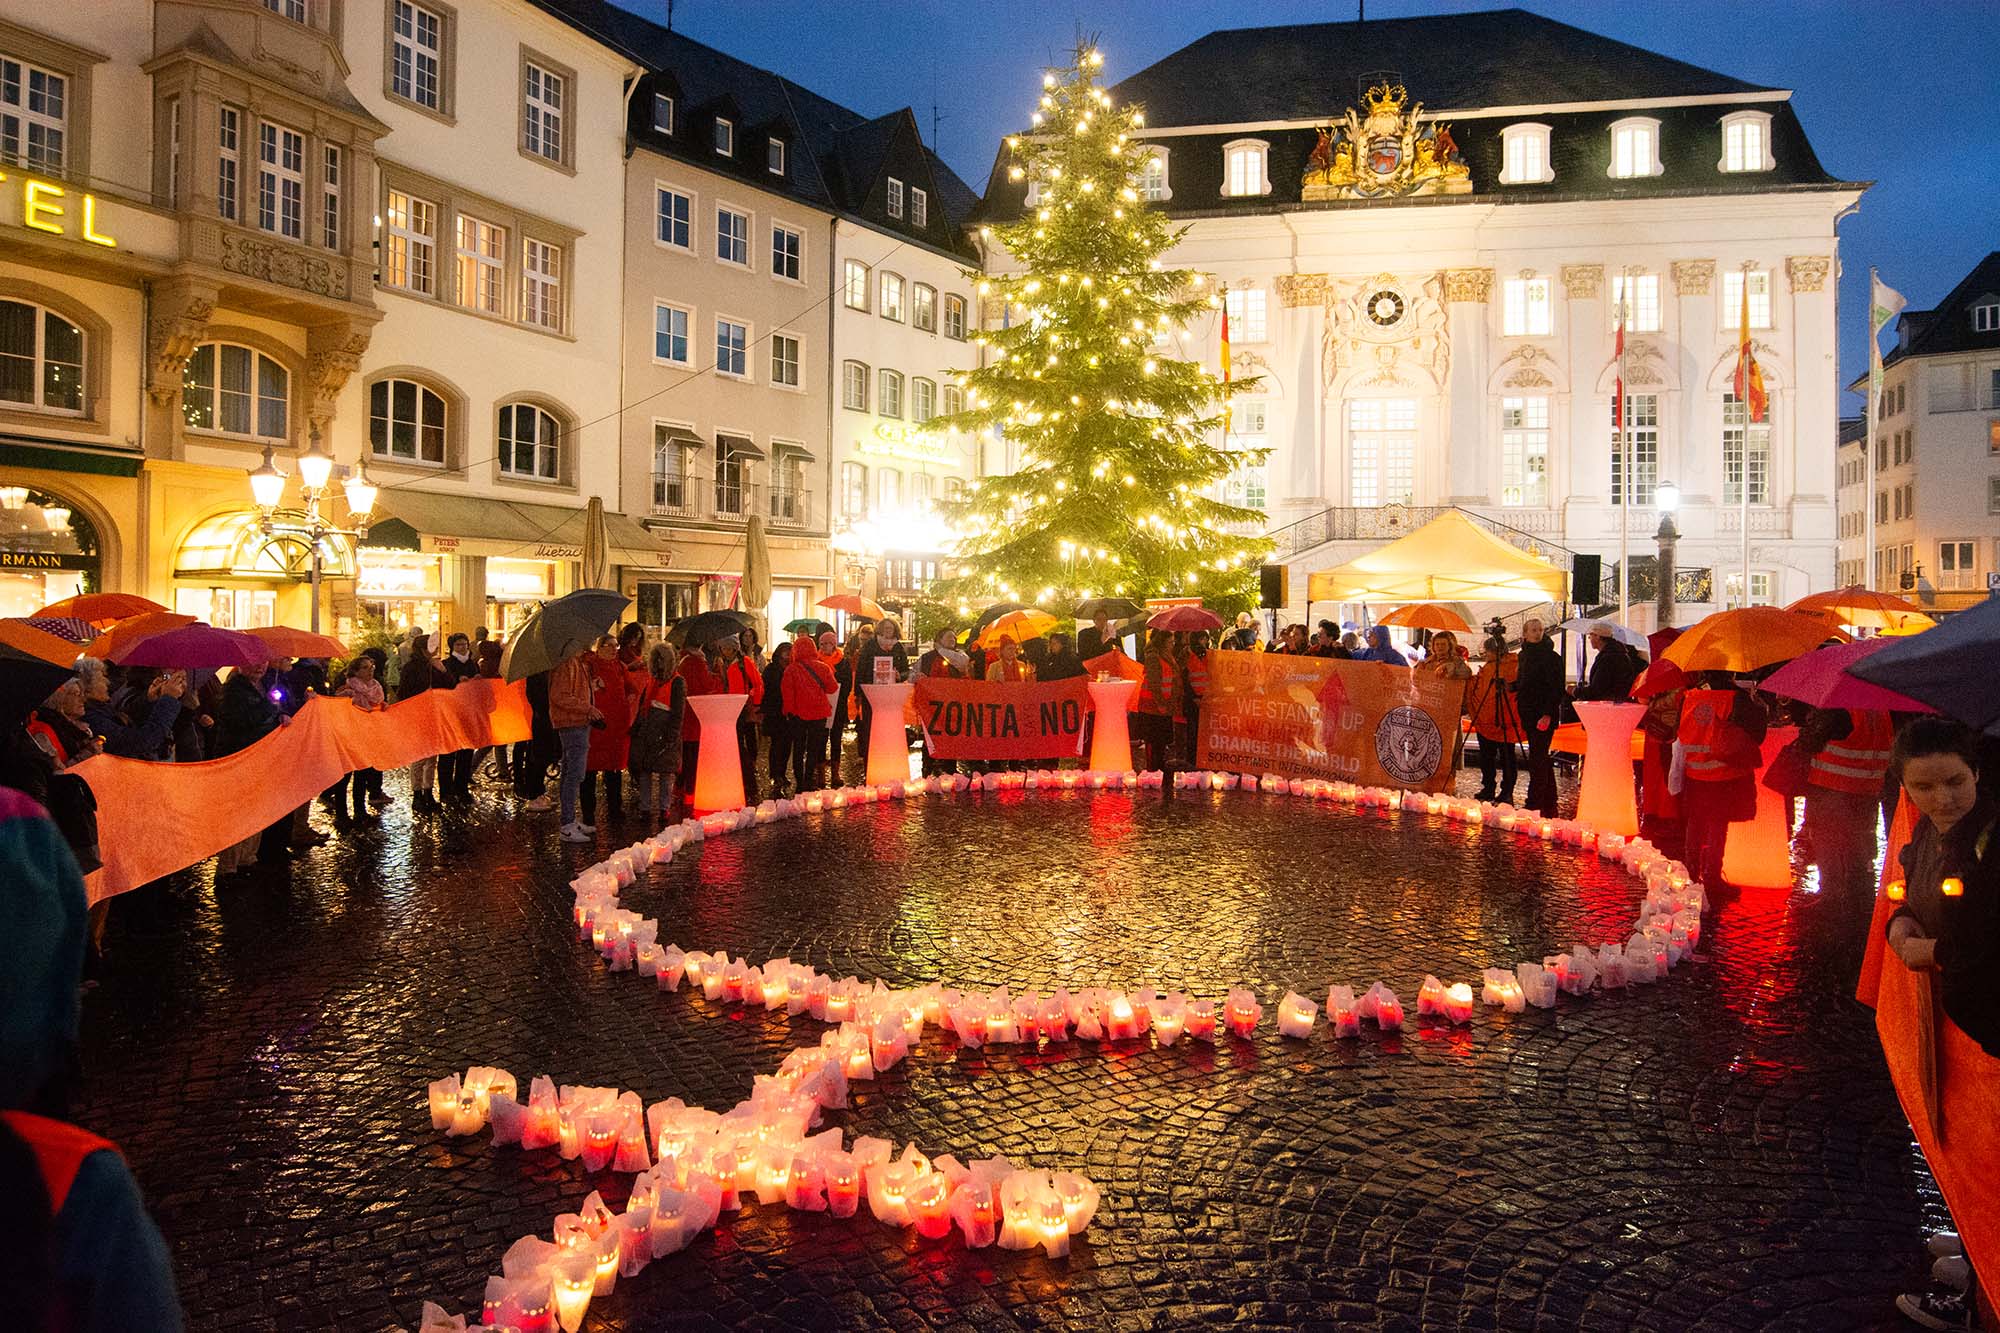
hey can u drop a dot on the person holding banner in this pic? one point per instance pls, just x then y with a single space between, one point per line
1497 718
1158 700
808 686
943 662
1008 667
1446 662
1194 688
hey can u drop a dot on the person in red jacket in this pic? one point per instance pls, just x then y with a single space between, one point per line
610 745
700 679
808 685
742 675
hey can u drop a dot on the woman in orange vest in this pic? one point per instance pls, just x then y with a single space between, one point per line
1158 699
1850 751
70 1211
1497 718
1721 731
1194 689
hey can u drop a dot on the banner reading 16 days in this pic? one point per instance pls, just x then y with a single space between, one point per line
1318 717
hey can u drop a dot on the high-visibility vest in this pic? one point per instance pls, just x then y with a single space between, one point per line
1704 718
1197 678
1857 761
1165 701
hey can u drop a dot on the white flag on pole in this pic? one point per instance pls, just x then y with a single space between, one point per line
1884 304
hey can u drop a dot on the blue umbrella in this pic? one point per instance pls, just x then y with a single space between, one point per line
1950 667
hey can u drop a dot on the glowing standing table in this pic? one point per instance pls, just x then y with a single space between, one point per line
718 771
888 743
1758 854
1606 802
1111 729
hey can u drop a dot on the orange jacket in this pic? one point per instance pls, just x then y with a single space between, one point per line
1496 714
569 693
807 682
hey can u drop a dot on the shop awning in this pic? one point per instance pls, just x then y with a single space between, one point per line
680 435
739 445
788 447
477 525
66 456
1449 559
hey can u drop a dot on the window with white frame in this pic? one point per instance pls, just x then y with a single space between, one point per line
329 197
670 334
920 208
888 489
785 360
541 284
854 284
788 481
406 422
34 116
787 252
1731 313
409 253
1746 142
482 265
923 399
1247 315
732 342
663 113
416 57
295 10
1760 589
732 236
1745 444
1524 452
1153 186
1524 153
1246 483
235 390
733 455
1635 148
954 400
954 317
1638 295
774 155
1526 309
281 180
228 147
1642 436
892 296
530 443
675 212
1244 168
854 386
923 307
672 462
1986 318
1382 443
853 489
889 394
922 490
1957 566
895 198
725 136
41 358
542 124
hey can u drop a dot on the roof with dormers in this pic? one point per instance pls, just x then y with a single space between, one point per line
1947 328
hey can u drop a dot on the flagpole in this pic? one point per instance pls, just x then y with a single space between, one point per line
1629 482
1868 442
1743 470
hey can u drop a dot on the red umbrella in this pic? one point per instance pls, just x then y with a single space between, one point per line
1185 619
193 646
102 608
1820 678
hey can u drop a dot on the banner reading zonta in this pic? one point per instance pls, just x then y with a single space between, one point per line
977 719
1318 717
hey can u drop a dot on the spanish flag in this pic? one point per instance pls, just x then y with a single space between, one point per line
1749 375
1228 415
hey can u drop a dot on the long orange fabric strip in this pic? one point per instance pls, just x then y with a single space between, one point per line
154 819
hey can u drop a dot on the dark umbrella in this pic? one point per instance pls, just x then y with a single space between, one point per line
994 612
1945 667
32 663
807 625
571 624
1111 608
708 626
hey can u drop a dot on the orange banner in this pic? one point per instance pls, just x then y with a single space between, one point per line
979 719
154 819
1319 717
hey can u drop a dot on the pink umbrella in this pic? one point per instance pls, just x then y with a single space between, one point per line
1820 678
193 646
1185 619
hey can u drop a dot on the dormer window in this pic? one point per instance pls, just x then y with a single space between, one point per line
1153 186
1525 155
895 198
663 113
920 208
1986 318
725 136
1635 148
1244 168
1746 142
774 156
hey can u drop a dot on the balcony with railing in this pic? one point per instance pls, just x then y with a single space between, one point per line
703 500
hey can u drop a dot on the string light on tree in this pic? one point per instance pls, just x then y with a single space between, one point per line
1110 423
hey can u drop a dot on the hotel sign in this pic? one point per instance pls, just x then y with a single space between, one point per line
47 206
893 439
45 560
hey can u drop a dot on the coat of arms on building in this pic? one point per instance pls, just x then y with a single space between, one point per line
1385 153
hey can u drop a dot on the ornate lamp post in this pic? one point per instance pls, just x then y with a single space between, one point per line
1666 498
316 471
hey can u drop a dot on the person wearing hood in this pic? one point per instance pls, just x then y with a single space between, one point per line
1380 649
655 749
83 1255
828 644
808 687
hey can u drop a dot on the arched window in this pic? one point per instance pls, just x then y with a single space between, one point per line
41 358
1746 142
889 394
923 399
1244 170
406 422
854 386
1525 155
1635 148
236 390
530 443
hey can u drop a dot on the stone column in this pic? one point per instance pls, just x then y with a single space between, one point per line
1470 467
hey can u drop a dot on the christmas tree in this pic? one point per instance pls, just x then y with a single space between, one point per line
1120 443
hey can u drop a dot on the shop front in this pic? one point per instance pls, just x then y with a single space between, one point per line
48 551
233 574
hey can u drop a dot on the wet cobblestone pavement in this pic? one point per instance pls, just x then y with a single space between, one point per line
1719 1150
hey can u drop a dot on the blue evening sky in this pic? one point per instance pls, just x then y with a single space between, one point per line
1901 92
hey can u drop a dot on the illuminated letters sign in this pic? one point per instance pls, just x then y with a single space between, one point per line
47 206
892 439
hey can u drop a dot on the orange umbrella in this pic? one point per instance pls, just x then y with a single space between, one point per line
101 608
130 631
1863 608
1748 638
1426 615
284 641
37 643
855 605
1020 626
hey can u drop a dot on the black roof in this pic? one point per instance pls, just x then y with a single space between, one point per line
1853 430
1948 327
837 159
1503 57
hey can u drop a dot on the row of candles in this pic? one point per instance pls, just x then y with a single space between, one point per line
692 1165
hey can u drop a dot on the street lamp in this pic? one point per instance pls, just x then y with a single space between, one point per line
1666 498
316 469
